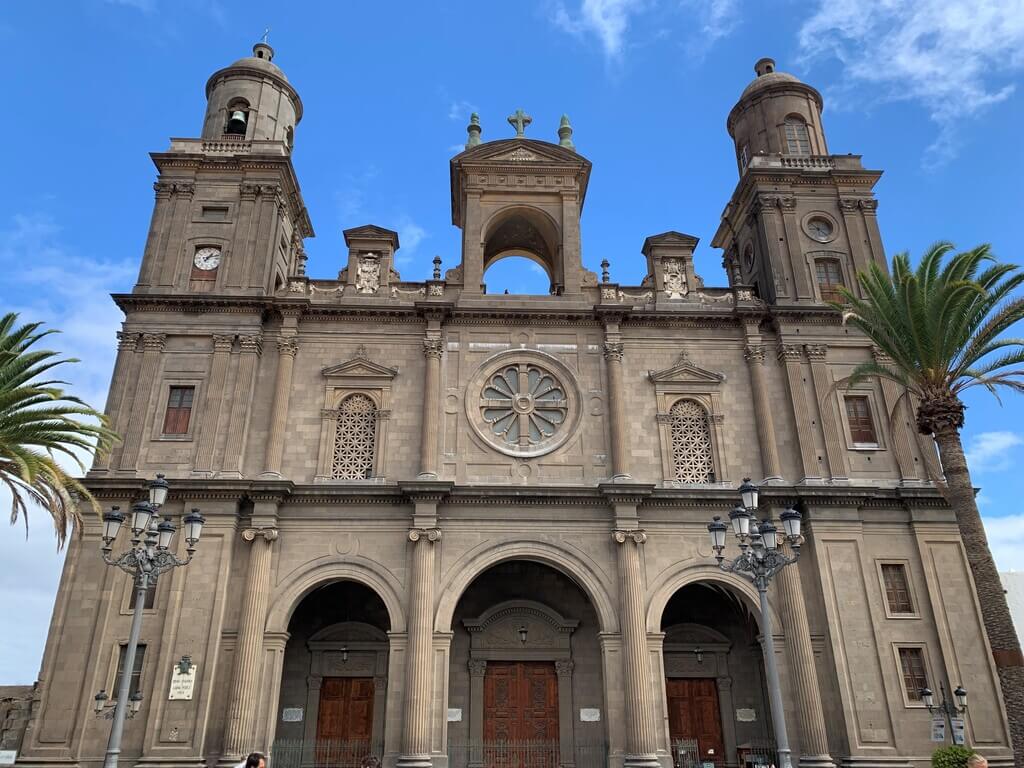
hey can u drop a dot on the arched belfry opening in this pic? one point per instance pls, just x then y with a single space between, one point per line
520 197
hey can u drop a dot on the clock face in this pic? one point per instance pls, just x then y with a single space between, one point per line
207 258
820 229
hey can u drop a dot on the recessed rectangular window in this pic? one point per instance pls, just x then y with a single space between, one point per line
830 279
215 212
136 680
179 410
858 415
912 667
897 590
150 600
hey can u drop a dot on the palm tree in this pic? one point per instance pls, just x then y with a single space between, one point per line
39 422
941 327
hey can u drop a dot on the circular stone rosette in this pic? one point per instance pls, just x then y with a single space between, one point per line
523 403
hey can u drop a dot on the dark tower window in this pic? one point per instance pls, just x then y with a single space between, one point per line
798 141
238 118
830 279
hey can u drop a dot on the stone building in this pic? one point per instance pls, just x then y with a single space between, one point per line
441 521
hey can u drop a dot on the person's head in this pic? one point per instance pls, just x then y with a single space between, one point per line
977 761
256 760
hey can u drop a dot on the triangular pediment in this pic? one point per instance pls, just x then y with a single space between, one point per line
672 238
685 372
519 151
359 367
370 232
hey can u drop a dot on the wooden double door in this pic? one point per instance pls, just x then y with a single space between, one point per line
520 702
344 730
694 713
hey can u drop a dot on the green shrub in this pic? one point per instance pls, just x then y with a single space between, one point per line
951 757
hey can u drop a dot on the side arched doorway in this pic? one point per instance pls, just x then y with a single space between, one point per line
526 673
715 697
333 697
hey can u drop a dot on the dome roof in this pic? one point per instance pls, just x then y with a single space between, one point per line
262 55
767 79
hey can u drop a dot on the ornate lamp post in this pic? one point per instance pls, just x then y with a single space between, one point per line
759 560
951 710
148 556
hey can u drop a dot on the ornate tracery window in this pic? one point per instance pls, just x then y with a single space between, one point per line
692 455
355 438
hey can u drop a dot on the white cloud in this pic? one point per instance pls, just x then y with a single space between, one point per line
410 235
991 451
1006 540
717 18
955 57
461 110
607 19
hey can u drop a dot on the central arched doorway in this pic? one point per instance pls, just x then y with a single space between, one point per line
334 680
525 678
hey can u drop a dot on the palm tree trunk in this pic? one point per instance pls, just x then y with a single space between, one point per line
1002 637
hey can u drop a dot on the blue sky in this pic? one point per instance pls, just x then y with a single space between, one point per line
924 89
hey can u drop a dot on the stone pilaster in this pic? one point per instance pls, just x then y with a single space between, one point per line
287 349
903 425
824 394
641 729
814 751
791 356
433 349
613 351
209 427
753 353
250 347
124 374
146 383
247 686
416 708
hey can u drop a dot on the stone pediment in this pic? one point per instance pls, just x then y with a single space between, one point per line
671 238
359 367
685 372
371 232
520 151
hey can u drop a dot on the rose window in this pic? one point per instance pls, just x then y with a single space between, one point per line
692 459
523 405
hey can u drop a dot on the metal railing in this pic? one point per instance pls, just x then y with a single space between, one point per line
524 754
324 753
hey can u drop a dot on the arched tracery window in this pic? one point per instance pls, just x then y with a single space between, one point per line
692 456
355 438
798 141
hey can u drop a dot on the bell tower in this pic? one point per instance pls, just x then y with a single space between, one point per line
229 217
801 222
520 197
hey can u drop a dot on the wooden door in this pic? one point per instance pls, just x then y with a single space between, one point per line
345 724
693 713
521 714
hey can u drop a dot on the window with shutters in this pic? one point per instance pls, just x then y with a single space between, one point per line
830 279
136 678
150 600
912 668
897 589
355 438
179 410
860 421
692 456
798 141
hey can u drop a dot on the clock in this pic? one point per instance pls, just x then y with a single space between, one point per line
207 259
820 229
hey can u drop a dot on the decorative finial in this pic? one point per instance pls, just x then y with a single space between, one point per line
519 120
565 134
605 276
474 130
266 36
437 267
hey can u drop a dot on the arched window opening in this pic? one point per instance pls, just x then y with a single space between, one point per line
830 279
798 141
517 275
238 118
355 438
692 458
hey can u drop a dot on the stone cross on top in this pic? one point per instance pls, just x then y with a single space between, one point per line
519 121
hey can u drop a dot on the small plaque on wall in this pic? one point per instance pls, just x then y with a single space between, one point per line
454 715
590 715
183 683
8 756
291 715
746 716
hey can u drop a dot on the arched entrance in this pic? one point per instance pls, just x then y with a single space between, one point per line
334 679
525 678
716 703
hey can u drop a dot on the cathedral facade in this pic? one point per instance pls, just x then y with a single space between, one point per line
457 529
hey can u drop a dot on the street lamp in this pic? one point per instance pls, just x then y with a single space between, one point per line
759 560
148 555
950 710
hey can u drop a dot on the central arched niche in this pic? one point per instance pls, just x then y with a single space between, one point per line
527 232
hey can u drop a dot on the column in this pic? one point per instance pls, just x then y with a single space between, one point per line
418 674
810 716
247 688
124 373
726 709
825 395
791 355
903 426
477 671
433 348
245 378
287 348
641 731
146 381
754 355
613 351
566 741
170 253
210 426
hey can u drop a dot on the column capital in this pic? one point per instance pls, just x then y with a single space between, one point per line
638 535
848 204
433 348
564 667
128 341
380 683
250 534
754 353
154 341
613 351
663 418
223 342
880 356
251 343
477 667
816 351
287 345
790 352
430 534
